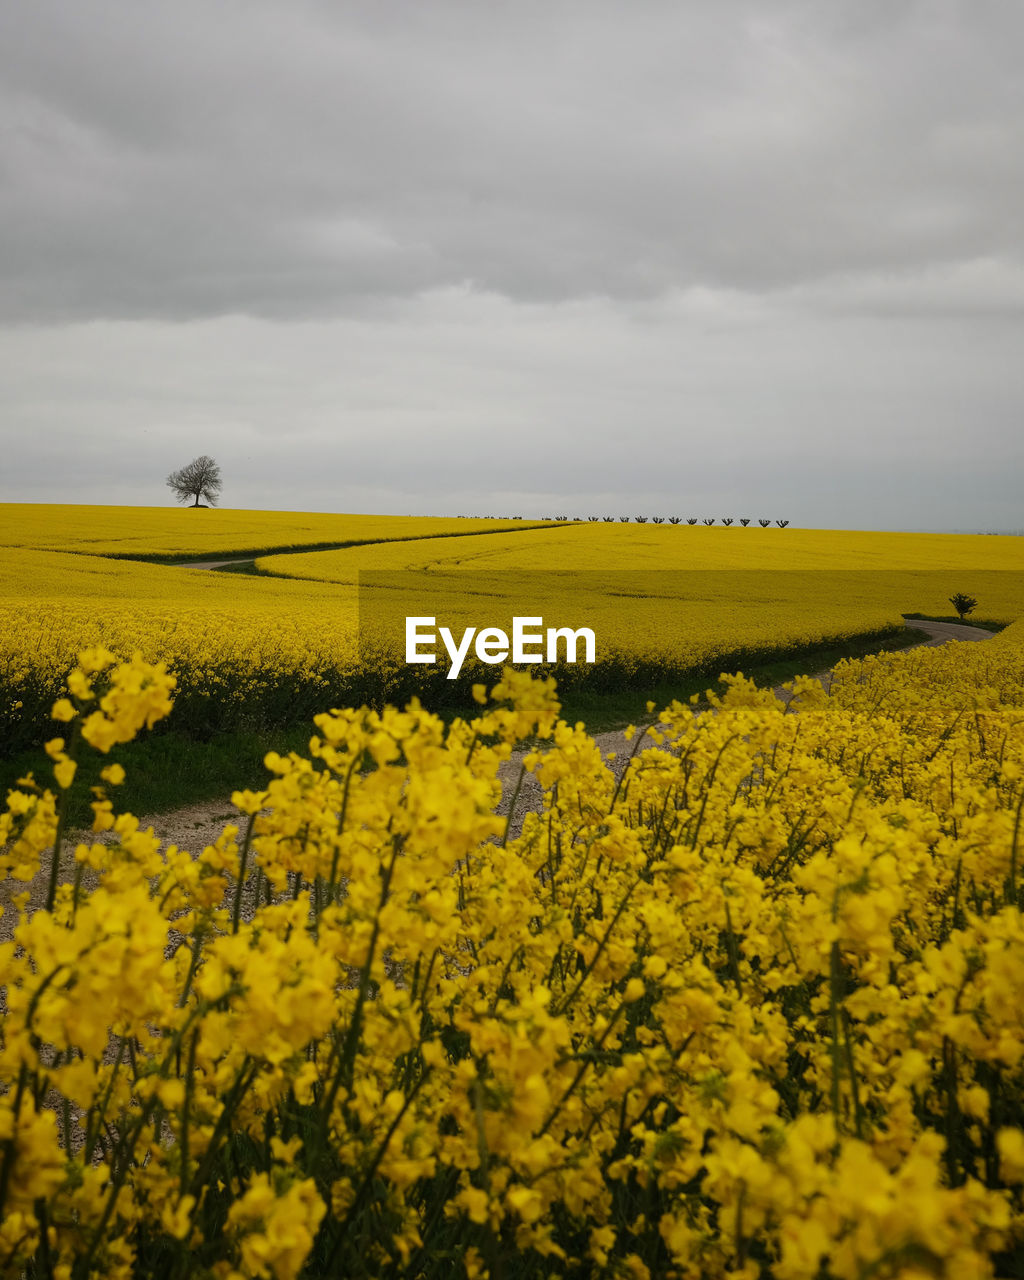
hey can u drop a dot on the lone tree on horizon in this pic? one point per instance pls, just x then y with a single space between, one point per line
200 479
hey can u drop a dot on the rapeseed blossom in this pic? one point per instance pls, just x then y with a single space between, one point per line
749 1008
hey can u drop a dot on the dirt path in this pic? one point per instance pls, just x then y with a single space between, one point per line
210 564
940 632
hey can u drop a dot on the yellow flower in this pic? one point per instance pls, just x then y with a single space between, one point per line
176 1218
64 771
1010 1144
474 1202
277 1229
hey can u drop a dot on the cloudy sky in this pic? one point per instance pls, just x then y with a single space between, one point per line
695 257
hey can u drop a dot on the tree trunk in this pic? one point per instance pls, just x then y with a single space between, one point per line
196 503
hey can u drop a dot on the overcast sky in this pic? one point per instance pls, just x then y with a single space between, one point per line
694 257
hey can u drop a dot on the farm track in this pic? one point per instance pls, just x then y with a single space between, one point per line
250 557
210 564
195 826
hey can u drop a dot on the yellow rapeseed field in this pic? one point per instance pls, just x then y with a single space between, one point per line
159 531
666 599
677 548
746 1007
246 650
251 651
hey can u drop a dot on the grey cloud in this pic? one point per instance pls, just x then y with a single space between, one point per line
983 287
755 257
304 160
709 406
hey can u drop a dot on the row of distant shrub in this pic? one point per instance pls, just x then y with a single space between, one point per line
708 520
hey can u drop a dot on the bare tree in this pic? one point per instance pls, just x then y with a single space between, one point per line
200 479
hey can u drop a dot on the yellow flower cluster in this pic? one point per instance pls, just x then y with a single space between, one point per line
745 1004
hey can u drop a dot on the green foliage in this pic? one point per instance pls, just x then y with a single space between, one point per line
963 603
